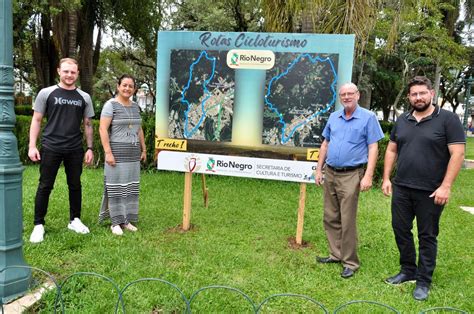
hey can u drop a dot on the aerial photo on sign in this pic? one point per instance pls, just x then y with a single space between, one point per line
248 94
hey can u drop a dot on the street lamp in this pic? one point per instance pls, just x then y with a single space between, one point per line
144 87
14 280
467 103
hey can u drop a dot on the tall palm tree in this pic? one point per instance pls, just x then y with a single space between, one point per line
321 16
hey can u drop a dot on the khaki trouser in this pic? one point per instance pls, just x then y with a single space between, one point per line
341 196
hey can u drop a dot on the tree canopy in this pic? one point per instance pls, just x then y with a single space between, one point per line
394 39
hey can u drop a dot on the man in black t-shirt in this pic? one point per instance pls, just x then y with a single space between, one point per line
65 107
428 145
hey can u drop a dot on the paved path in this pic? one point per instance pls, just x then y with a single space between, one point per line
469 163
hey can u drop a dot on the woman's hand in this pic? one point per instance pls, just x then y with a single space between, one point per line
110 159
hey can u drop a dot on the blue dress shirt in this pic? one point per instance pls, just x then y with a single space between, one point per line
349 138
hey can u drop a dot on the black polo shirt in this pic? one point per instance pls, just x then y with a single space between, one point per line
422 148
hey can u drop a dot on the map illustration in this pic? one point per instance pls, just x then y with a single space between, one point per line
300 94
202 93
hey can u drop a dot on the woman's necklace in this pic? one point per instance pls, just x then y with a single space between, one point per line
129 115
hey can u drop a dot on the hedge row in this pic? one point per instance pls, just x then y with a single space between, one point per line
22 129
24 110
148 123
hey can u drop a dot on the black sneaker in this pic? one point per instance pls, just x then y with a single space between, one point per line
400 278
421 293
326 260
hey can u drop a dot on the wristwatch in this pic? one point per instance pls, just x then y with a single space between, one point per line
90 148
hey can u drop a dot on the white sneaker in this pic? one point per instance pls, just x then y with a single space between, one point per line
116 230
77 226
130 227
37 235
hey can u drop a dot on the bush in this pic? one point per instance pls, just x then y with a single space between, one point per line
22 129
24 110
387 126
378 173
148 125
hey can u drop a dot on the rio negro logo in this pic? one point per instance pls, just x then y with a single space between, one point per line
250 59
234 165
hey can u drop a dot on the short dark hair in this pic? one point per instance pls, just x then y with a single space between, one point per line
420 80
126 76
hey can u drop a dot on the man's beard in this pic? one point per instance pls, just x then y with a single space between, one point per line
422 108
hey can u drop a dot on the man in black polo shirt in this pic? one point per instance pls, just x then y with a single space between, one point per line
65 107
428 145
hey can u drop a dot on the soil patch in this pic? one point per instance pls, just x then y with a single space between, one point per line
179 229
295 246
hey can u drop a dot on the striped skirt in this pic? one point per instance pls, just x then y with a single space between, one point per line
121 185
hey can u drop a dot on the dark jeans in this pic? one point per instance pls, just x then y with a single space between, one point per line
407 204
49 166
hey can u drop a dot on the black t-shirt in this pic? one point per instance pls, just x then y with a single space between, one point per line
64 110
422 148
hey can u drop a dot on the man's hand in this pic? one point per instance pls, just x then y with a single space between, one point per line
89 157
318 177
34 154
365 183
387 187
441 195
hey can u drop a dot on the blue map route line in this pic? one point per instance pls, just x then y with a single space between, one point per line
187 133
285 139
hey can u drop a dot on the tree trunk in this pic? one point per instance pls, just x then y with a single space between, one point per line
72 21
399 96
85 41
437 81
44 53
96 56
365 97
402 88
386 113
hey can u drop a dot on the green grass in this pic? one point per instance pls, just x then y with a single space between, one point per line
241 241
470 148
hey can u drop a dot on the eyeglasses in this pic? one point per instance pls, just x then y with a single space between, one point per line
348 94
419 94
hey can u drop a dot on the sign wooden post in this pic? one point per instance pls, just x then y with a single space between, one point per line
300 223
205 191
188 185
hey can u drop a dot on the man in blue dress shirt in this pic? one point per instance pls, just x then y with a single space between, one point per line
349 151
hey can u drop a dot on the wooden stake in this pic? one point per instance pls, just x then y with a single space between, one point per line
188 184
205 191
300 223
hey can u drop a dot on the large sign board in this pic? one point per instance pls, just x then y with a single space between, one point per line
248 94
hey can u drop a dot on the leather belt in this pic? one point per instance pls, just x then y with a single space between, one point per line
345 169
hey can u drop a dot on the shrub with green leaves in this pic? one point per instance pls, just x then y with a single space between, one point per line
22 129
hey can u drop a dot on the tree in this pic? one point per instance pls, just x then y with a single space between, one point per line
116 61
452 86
326 17
223 15
421 44
61 28
53 28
